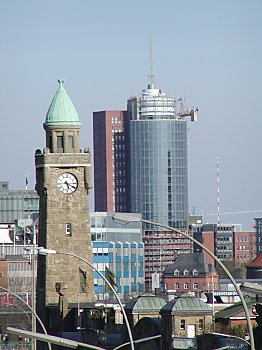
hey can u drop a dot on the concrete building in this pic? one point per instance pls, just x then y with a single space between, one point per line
110 161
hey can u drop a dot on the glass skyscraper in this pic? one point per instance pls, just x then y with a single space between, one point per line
158 159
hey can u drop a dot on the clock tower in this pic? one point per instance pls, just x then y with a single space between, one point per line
63 182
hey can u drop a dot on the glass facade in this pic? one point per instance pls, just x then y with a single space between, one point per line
105 227
18 204
159 184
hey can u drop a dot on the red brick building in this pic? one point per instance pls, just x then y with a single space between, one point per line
190 272
110 161
244 247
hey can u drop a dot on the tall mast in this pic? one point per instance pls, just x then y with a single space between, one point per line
218 194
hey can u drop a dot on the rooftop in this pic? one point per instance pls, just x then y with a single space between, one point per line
61 110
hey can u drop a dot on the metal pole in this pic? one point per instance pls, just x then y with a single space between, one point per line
33 296
110 286
250 330
32 310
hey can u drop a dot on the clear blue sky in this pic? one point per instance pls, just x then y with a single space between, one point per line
208 51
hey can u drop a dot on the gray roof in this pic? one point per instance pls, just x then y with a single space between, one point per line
187 304
190 262
145 303
235 308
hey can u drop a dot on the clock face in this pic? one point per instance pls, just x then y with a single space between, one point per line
67 183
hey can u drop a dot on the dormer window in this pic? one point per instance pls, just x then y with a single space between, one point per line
194 272
186 272
176 272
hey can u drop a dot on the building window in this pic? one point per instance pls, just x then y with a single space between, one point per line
68 229
1 274
200 323
195 285
183 324
185 285
60 142
176 286
176 273
195 272
186 272
70 141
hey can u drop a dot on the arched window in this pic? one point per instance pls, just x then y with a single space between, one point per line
195 285
185 285
176 286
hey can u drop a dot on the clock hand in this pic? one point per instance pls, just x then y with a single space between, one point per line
67 184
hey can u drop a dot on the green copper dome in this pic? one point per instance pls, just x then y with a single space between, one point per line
61 110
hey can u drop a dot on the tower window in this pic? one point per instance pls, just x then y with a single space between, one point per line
70 141
182 324
60 142
50 143
68 229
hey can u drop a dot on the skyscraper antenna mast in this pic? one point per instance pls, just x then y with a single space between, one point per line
151 75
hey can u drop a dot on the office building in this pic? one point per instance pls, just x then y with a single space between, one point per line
226 241
110 161
158 173
140 166
17 204
118 247
113 227
125 260
158 159
258 227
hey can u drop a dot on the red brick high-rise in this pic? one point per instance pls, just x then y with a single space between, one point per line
110 161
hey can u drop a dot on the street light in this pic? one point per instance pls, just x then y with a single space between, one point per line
44 251
32 310
169 228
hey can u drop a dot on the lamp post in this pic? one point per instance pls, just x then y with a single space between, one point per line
32 311
44 251
169 228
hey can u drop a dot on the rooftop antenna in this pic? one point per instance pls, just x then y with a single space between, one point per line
151 75
218 194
